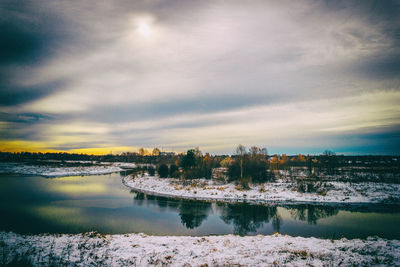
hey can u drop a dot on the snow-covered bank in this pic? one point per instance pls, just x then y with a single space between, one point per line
141 250
283 192
57 170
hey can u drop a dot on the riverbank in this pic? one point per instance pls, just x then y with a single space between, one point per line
277 192
92 249
66 168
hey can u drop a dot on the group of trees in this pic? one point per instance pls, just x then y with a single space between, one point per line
144 152
328 161
194 164
244 166
165 171
249 165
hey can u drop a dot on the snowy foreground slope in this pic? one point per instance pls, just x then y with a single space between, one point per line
92 249
58 171
334 192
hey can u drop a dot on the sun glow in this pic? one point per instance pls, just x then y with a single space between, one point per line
144 29
141 28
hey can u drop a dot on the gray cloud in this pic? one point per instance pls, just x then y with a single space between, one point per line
11 94
204 104
384 67
27 118
30 34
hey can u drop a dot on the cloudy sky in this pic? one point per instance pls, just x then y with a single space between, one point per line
292 76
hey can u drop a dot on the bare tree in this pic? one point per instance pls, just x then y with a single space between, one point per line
264 151
241 152
329 161
156 152
143 152
254 151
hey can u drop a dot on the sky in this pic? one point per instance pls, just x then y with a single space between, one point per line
112 76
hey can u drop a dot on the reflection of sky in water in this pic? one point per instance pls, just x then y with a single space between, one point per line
77 189
102 203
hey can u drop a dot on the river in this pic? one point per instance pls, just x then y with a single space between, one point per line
75 204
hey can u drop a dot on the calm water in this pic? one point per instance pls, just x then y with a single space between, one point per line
32 204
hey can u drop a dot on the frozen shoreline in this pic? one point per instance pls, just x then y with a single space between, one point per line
92 249
278 192
52 171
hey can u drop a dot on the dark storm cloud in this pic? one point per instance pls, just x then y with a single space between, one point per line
25 117
11 95
386 67
30 34
384 63
19 45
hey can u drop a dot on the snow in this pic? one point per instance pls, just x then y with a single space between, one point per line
52 170
332 192
93 249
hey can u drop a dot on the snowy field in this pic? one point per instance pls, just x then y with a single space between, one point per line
282 192
93 249
57 170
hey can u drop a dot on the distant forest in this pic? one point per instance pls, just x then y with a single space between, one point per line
246 165
170 157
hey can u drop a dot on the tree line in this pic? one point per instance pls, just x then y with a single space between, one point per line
245 165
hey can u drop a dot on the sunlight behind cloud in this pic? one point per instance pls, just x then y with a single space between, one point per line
144 29
142 26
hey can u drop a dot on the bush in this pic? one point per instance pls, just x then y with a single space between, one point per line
174 171
189 159
151 171
163 171
243 184
311 187
234 170
257 170
190 174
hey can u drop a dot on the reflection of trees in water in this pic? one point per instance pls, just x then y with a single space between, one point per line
248 218
312 213
162 202
276 222
192 212
138 198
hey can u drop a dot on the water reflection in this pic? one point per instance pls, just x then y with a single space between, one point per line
248 218
31 204
192 213
311 213
244 217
